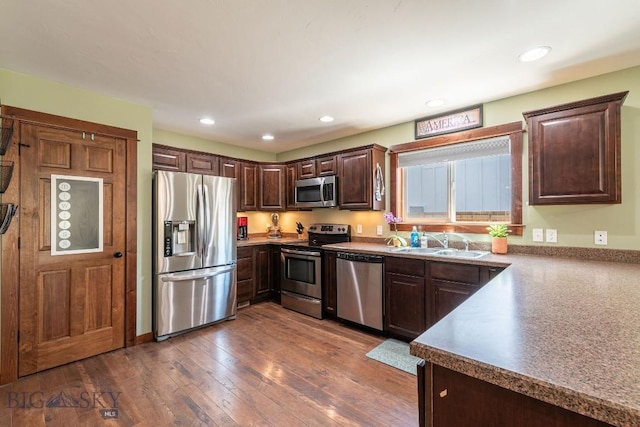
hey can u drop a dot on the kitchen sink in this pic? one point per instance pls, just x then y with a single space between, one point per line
457 253
417 250
454 253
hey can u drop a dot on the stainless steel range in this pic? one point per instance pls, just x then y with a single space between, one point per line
301 284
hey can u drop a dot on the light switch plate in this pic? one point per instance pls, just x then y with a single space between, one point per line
600 237
359 228
379 230
538 235
552 235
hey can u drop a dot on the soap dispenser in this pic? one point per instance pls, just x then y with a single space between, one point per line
415 238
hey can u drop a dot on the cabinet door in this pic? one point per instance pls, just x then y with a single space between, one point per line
291 174
358 179
354 182
272 194
202 163
248 187
470 402
326 166
306 169
405 314
245 274
276 272
574 152
229 168
262 290
167 159
446 296
329 284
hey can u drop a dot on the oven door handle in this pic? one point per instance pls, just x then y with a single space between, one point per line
302 253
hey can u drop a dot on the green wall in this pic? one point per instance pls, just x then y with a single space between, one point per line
575 224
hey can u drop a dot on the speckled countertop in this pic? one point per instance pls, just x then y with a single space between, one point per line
562 330
285 240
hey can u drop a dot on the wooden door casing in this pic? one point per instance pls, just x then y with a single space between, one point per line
11 286
71 306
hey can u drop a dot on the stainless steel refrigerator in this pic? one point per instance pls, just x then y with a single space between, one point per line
194 261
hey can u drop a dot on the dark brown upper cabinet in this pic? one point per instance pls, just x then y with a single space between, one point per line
168 159
317 166
574 152
202 163
361 178
272 184
249 185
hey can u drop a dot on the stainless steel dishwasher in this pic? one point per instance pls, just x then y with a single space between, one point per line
359 283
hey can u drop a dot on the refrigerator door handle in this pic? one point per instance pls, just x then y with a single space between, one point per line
207 222
200 221
210 272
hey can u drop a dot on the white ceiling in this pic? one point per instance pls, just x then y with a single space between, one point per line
276 66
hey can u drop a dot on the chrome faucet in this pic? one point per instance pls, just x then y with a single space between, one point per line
445 239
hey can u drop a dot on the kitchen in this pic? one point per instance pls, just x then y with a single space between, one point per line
575 224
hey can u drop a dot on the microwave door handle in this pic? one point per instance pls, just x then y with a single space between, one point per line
322 191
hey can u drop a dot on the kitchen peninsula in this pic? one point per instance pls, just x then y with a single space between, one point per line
560 333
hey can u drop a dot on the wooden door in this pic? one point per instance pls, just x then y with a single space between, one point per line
71 305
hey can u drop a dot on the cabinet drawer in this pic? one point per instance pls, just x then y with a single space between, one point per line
411 267
245 269
245 290
456 272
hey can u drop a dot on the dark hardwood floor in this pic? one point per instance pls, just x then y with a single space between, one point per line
268 367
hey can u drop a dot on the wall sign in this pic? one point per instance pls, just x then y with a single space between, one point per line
451 121
76 215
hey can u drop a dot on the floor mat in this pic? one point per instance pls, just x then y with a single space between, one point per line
395 353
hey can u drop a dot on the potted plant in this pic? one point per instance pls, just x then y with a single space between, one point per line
498 233
395 239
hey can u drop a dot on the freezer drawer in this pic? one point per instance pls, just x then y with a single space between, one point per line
187 300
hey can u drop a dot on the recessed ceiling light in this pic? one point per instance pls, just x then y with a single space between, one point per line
326 119
207 121
267 137
534 54
435 103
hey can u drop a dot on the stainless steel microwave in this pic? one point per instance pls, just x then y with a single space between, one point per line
319 192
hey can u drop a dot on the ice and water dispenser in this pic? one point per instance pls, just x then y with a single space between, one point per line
179 238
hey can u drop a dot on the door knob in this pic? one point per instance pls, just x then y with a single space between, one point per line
117 255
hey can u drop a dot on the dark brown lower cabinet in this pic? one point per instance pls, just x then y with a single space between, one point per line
276 272
405 313
262 291
450 398
245 274
329 285
446 296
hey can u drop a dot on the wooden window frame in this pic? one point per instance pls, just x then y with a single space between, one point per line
515 133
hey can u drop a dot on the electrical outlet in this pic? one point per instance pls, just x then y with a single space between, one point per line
359 228
600 237
538 235
379 230
552 235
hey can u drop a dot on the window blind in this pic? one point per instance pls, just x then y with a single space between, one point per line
496 146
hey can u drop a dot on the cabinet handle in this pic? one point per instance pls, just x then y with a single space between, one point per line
444 393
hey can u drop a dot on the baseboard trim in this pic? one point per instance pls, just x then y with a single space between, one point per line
141 339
